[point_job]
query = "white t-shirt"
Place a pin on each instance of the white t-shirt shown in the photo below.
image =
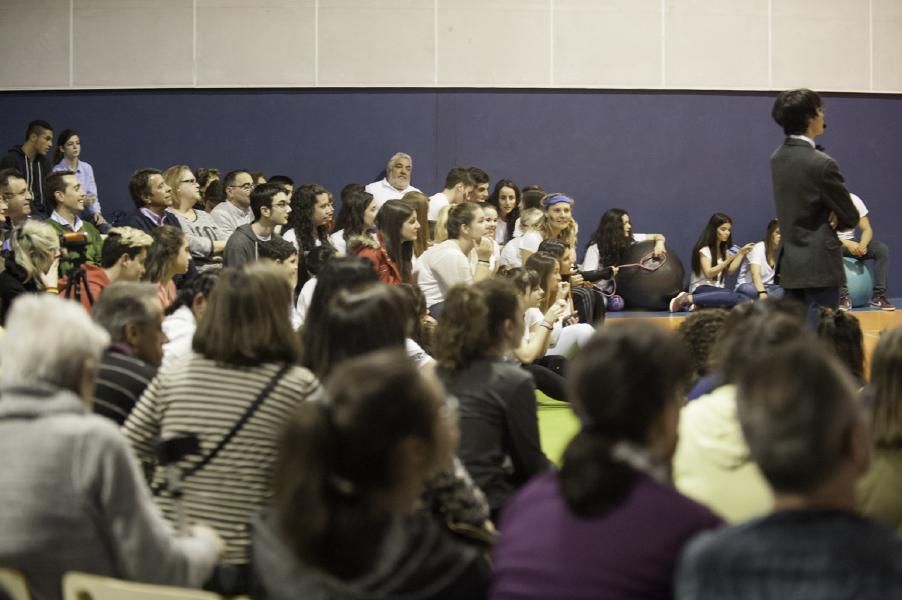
(758, 256)
(849, 234)
(338, 240)
(304, 299)
(591, 261)
(416, 352)
(436, 203)
(501, 232)
(533, 315)
(440, 268)
(510, 253)
(700, 279)
(383, 191)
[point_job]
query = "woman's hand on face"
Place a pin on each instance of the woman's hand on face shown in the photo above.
(563, 290)
(484, 249)
(555, 311)
(51, 278)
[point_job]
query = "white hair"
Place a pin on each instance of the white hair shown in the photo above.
(395, 157)
(47, 341)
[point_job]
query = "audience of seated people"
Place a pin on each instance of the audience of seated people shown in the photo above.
(387, 481)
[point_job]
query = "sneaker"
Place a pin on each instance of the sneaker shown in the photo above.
(845, 303)
(882, 303)
(680, 301)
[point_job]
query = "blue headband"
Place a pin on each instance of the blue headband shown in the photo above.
(556, 199)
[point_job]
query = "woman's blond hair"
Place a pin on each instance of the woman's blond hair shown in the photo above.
(34, 249)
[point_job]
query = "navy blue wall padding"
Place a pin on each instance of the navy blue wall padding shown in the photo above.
(669, 158)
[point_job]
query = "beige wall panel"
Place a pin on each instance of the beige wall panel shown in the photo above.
(493, 42)
(614, 43)
(716, 44)
(821, 44)
(132, 43)
(34, 43)
(256, 42)
(376, 42)
(887, 45)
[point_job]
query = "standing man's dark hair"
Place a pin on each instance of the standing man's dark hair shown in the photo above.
(793, 110)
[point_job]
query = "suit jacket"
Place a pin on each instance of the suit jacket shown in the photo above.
(807, 188)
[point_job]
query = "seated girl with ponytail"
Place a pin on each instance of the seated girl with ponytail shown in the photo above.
(609, 524)
(351, 468)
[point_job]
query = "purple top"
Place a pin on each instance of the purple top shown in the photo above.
(547, 552)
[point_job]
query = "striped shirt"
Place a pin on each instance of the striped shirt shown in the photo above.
(207, 398)
(121, 379)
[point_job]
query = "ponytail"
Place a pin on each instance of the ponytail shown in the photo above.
(591, 481)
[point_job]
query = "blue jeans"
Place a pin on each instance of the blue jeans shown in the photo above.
(709, 296)
(748, 289)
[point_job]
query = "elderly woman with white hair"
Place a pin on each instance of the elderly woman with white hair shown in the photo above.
(72, 494)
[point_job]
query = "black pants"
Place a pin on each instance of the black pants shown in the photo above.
(548, 382)
(814, 299)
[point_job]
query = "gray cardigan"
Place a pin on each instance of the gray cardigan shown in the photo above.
(73, 498)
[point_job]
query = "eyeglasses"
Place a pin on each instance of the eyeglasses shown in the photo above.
(10, 196)
(244, 186)
(192, 181)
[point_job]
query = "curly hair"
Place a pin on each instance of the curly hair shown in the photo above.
(699, 332)
(303, 202)
(471, 321)
(609, 237)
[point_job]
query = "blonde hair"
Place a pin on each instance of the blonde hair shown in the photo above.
(34, 249)
(567, 235)
(441, 225)
(173, 178)
(420, 203)
(532, 219)
(131, 237)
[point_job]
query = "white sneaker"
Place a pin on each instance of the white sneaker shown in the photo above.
(680, 302)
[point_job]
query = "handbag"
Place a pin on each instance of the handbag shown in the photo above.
(238, 426)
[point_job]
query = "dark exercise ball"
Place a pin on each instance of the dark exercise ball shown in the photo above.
(649, 290)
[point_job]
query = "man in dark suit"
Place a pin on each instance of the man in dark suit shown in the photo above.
(811, 201)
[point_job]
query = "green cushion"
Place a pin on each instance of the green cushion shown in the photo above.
(557, 426)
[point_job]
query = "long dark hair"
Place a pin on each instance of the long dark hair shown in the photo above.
(609, 237)
(708, 239)
(620, 384)
(389, 220)
(303, 201)
(337, 456)
(350, 217)
(511, 218)
(543, 265)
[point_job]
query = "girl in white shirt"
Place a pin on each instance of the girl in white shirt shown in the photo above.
(712, 260)
(356, 217)
(567, 333)
(756, 275)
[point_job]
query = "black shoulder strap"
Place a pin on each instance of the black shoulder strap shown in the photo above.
(238, 426)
